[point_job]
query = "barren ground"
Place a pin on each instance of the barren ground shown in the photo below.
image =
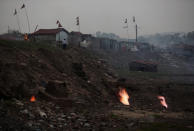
(76, 89)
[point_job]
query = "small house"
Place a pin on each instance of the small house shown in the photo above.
(58, 35)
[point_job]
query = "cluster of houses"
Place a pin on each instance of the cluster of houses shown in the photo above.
(60, 36)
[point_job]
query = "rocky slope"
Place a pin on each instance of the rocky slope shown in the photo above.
(75, 89)
(73, 73)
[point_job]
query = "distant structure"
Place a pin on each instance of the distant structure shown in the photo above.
(51, 35)
(12, 35)
(75, 37)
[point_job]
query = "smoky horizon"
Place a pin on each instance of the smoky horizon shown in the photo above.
(151, 16)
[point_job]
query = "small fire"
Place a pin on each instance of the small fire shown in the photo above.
(33, 99)
(124, 97)
(163, 101)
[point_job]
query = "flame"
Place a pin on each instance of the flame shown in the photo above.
(33, 99)
(123, 96)
(26, 37)
(163, 101)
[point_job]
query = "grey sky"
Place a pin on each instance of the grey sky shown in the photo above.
(153, 16)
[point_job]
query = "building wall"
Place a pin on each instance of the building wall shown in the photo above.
(95, 44)
(50, 38)
(61, 36)
(75, 39)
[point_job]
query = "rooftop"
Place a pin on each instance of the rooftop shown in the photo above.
(49, 31)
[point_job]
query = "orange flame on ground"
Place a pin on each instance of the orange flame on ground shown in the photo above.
(163, 101)
(33, 99)
(124, 97)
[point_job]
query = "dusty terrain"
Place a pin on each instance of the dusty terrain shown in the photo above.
(76, 89)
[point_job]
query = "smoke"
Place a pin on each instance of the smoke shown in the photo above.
(165, 40)
(107, 35)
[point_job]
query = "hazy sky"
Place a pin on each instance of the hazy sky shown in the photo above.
(152, 16)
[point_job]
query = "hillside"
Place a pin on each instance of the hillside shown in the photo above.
(28, 68)
(77, 89)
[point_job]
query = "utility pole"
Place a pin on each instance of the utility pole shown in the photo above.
(136, 32)
(24, 6)
(27, 20)
(78, 23)
(18, 21)
(127, 27)
(128, 31)
(35, 28)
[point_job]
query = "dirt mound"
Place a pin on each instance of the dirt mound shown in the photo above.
(73, 73)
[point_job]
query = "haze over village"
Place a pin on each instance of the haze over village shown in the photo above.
(96, 65)
(152, 16)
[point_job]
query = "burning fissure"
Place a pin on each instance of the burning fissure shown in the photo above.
(163, 101)
(123, 96)
(32, 99)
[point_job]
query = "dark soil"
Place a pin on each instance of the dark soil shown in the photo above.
(75, 89)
